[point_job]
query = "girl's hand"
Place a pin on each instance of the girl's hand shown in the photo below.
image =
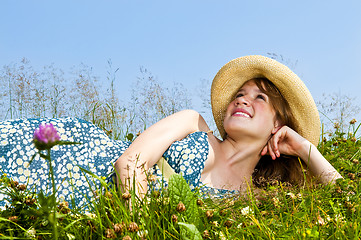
(285, 141)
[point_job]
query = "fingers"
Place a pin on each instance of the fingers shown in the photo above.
(273, 145)
(276, 129)
(271, 149)
(264, 151)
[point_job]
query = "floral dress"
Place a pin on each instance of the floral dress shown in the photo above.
(96, 153)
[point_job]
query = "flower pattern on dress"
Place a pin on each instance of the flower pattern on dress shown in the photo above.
(96, 153)
(17, 148)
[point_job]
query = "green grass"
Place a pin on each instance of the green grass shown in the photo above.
(278, 211)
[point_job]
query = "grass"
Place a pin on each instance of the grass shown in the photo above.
(277, 211)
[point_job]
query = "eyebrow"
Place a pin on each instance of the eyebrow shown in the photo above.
(259, 91)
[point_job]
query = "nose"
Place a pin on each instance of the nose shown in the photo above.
(243, 101)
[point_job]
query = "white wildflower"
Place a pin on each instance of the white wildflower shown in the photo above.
(246, 211)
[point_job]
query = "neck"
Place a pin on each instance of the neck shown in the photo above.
(233, 162)
(241, 156)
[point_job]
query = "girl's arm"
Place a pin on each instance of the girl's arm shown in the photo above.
(287, 141)
(149, 147)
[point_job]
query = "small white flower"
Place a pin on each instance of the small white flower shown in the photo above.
(90, 215)
(31, 233)
(142, 233)
(246, 211)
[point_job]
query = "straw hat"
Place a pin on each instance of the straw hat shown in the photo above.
(235, 73)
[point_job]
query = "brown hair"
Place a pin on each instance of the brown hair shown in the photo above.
(285, 168)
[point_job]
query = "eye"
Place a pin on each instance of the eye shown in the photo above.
(262, 97)
(239, 95)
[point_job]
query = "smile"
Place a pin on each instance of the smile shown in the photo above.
(241, 113)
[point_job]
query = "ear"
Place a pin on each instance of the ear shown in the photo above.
(276, 127)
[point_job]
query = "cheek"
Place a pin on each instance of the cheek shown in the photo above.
(230, 107)
(269, 116)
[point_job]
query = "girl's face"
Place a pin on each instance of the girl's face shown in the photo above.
(250, 114)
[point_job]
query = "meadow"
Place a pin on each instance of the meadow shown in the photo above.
(274, 211)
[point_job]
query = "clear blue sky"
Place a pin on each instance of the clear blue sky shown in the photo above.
(185, 41)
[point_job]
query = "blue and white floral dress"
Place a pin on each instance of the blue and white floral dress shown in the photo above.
(96, 153)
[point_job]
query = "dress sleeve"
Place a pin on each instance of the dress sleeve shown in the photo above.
(187, 156)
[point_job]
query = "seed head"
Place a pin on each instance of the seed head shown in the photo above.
(21, 187)
(228, 223)
(63, 204)
(200, 202)
(14, 184)
(174, 218)
(351, 176)
(13, 218)
(109, 233)
(209, 214)
(118, 227)
(108, 194)
(133, 227)
(127, 238)
(64, 207)
(181, 207)
(205, 234)
(353, 139)
(126, 196)
(355, 161)
(353, 121)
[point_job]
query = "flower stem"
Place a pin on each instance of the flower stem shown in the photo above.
(51, 173)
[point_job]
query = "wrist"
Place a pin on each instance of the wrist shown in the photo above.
(305, 150)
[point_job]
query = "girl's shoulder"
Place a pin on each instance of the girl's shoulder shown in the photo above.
(198, 137)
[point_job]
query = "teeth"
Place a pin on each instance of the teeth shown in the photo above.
(242, 114)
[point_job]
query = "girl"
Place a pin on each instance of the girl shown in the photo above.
(264, 113)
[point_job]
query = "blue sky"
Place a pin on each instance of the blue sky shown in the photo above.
(185, 41)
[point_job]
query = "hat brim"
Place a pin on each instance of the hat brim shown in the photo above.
(235, 73)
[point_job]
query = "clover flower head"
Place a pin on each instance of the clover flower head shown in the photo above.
(46, 136)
